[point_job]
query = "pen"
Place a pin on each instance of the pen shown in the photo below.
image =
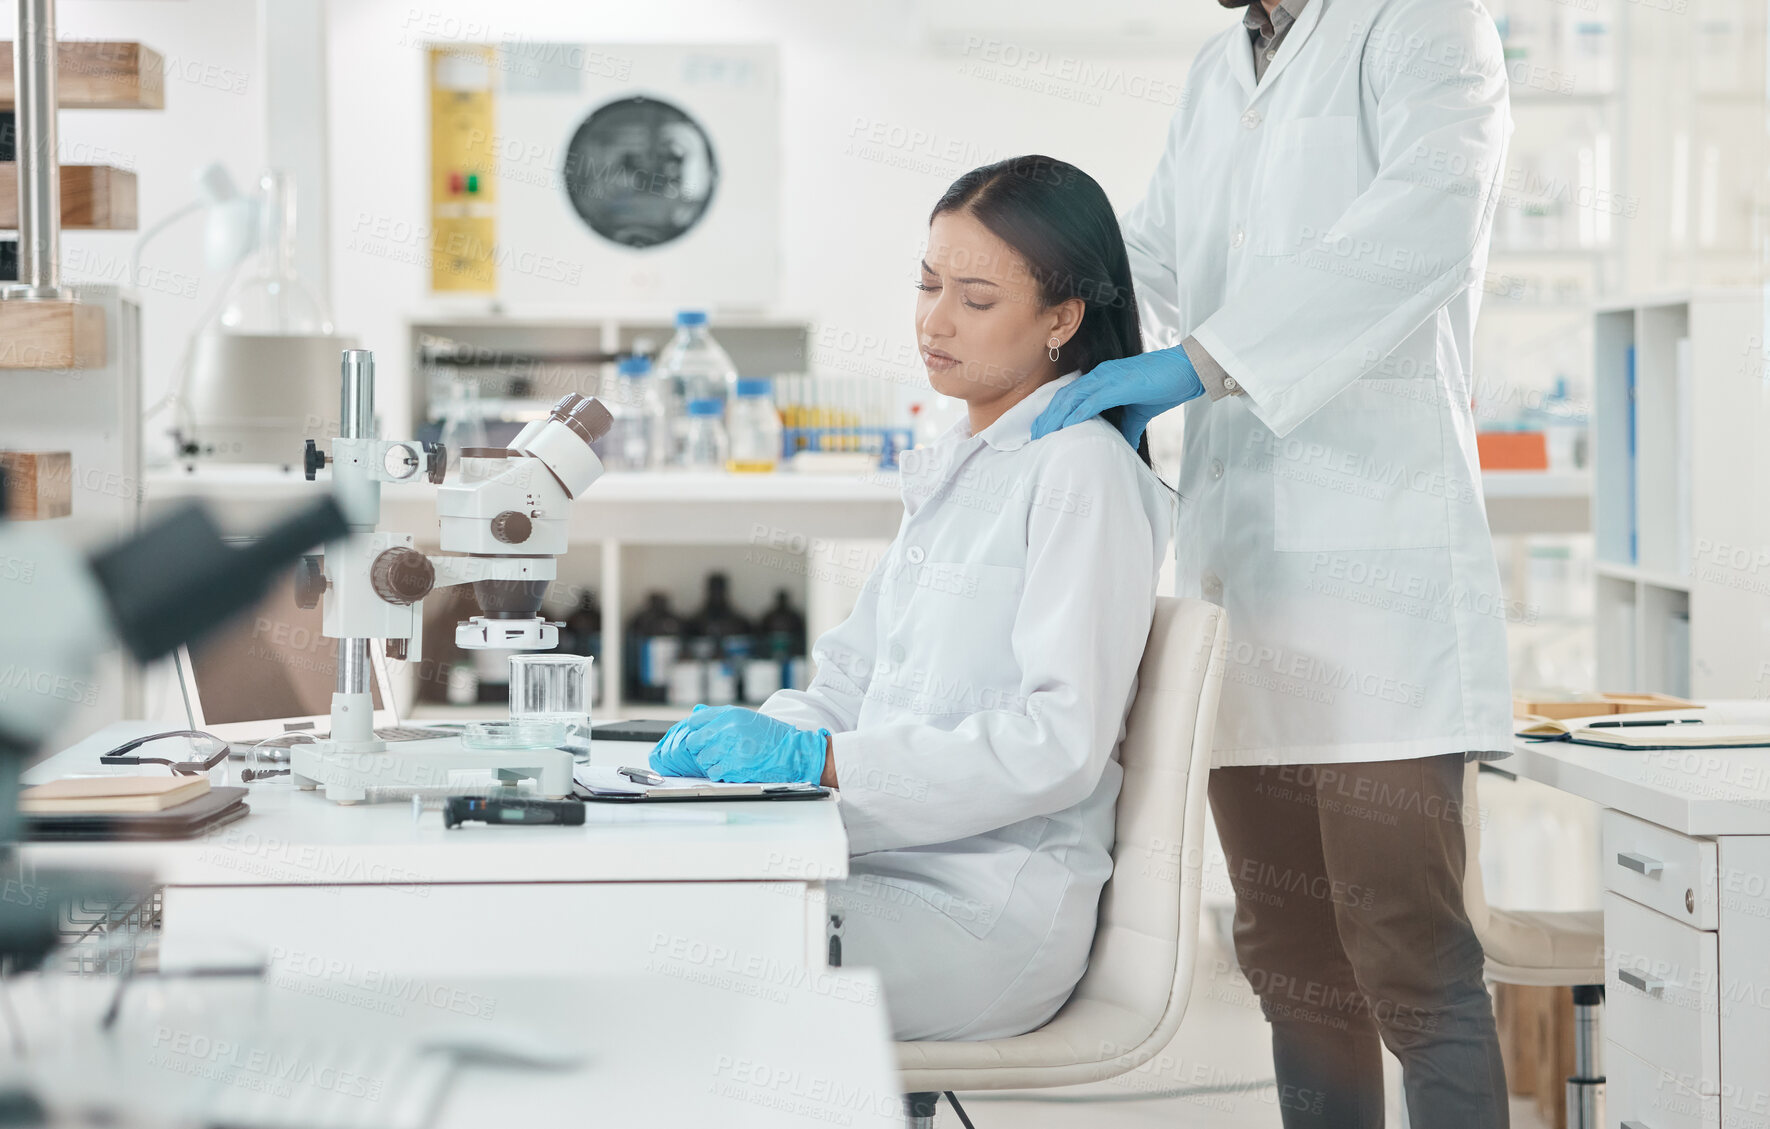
(1645, 723)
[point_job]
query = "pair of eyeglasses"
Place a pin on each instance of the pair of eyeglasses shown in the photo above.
(125, 754)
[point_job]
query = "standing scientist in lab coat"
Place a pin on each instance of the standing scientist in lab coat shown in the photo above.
(1315, 238)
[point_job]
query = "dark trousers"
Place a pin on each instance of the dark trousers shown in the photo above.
(1350, 927)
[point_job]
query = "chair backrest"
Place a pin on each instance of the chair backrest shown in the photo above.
(1130, 1001)
(1148, 927)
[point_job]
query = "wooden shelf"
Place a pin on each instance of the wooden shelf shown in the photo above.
(93, 198)
(39, 484)
(51, 335)
(98, 76)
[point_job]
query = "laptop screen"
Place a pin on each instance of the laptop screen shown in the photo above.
(269, 663)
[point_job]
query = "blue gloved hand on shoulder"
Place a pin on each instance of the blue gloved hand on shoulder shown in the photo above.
(1145, 386)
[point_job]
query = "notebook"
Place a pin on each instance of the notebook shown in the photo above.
(214, 808)
(95, 795)
(1673, 729)
(1694, 736)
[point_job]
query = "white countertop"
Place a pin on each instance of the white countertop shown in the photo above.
(1536, 484)
(1704, 792)
(666, 507)
(216, 480)
(257, 481)
(294, 837)
(689, 1047)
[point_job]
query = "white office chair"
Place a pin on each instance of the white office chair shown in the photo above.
(1545, 948)
(1129, 1003)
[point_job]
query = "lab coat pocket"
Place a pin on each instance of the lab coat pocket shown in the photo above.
(1366, 471)
(1307, 178)
(954, 645)
(971, 882)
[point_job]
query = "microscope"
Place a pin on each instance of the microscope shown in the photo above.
(503, 521)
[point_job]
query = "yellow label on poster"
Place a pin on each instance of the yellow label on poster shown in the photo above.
(463, 186)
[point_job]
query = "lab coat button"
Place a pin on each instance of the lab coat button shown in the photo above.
(1236, 239)
(1251, 118)
(916, 555)
(897, 652)
(1216, 468)
(1213, 587)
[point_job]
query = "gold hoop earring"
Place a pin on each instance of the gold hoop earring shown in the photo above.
(1053, 350)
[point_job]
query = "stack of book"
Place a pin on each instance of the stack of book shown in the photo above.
(128, 807)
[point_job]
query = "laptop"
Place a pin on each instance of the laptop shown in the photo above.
(266, 678)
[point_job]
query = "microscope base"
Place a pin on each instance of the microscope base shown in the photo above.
(347, 777)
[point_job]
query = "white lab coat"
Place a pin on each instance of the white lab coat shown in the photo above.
(977, 695)
(1323, 235)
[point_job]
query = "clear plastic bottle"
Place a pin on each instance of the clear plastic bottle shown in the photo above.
(754, 428)
(704, 446)
(637, 438)
(693, 367)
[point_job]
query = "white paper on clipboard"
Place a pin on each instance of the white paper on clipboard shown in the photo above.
(603, 778)
(607, 782)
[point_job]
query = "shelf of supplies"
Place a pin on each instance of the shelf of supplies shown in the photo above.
(1639, 575)
(452, 711)
(220, 482)
(1501, 251)
(783, 510)
(1523, 502)
(1525, 95)
(484, 711)
(1678, 412)
(1536, 484)
(1493, 302)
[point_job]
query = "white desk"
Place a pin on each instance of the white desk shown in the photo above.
(302, 879)
(660, 1050)
(1686, 869)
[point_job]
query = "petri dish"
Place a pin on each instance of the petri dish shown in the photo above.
(517, 733)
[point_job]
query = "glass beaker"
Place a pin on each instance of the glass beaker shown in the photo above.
(554, 687)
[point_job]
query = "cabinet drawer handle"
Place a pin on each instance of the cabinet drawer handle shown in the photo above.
(1639, 982)
(1641, 864)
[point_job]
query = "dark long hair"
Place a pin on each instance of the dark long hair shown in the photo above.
(1059, 220)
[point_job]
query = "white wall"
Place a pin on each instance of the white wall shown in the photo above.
(214, 100)
(853, 212)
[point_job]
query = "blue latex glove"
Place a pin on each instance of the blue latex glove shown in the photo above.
(730, 743)
(1145, 386)
(668, 758)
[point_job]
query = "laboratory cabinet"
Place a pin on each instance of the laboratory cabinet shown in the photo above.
(1686, 902)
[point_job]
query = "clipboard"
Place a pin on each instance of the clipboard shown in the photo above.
(597, 790)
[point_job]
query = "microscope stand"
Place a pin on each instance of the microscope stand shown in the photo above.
(345, 776)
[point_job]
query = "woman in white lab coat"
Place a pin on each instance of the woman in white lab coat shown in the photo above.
(970, 708)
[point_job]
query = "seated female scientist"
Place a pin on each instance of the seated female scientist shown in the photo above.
(970, 708)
